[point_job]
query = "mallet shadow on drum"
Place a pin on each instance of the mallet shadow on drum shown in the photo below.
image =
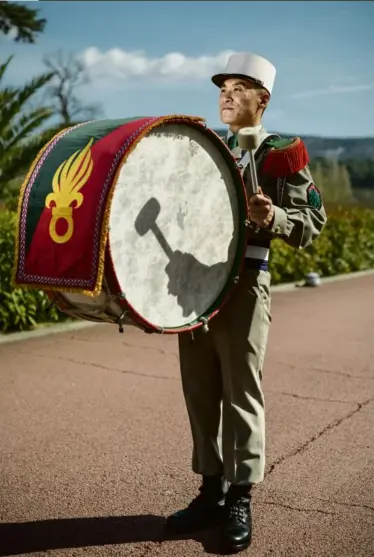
(189, 280)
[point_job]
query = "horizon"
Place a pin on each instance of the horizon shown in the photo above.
(316, 136)
(136, 70)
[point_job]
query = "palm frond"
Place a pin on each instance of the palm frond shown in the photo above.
(16, 101)
(3, 67)
(25, 125)
(17, 121)
(16, 162)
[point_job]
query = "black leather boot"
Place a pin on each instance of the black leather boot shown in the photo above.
(237, 525)
(204, 511)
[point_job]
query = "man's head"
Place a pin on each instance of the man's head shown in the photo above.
(246, 86)
(242, 103)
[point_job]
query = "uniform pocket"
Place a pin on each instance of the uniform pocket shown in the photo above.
(257, 284)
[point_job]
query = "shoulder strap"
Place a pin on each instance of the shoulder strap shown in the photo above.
(259, 151)
(264, 144)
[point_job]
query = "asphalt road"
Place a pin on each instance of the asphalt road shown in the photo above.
(95, 445)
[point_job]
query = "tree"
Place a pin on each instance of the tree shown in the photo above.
(23, 19)
(19, 144)
(332, 178)
(361, 172)
(70, 74)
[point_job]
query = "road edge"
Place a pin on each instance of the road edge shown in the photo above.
(48, 329)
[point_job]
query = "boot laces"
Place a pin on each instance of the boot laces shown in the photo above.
(238, 508)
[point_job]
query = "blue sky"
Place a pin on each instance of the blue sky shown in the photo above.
(323, 52)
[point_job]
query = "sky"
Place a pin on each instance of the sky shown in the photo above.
(157, 58)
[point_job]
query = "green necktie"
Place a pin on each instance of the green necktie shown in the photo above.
(232, 142)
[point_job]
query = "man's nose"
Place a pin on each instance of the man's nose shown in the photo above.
(227, 96)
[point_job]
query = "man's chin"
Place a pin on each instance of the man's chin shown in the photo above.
(227, 118)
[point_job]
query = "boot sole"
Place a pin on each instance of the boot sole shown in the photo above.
(232, 549)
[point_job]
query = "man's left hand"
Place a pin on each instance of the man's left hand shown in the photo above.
(261, 209)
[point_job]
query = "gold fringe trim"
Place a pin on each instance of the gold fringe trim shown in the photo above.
(23, 187)
(106, 217)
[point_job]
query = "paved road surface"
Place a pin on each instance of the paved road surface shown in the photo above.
(95, 447)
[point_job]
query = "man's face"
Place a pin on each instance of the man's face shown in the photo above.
(241, 103)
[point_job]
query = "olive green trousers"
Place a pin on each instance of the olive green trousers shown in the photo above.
(221, 374)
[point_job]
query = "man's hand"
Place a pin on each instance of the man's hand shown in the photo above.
(261, 209)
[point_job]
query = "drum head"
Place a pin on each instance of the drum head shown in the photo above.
(177, 225)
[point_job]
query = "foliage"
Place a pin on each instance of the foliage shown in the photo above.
(345, 245)
(19, 144)
(361, 173)
(20, 309)
(17, 122)
(22, 19)
(332, 178)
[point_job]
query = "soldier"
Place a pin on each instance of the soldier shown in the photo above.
(222, 370)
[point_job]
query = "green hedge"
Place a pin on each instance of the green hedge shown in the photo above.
(20, 309)
(345, 245)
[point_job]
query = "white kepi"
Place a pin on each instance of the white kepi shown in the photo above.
(249, 66)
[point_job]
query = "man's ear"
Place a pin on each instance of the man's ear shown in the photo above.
(264, 98)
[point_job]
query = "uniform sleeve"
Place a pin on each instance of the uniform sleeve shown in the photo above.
(301, 217)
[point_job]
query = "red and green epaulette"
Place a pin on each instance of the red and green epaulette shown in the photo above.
(285, 157)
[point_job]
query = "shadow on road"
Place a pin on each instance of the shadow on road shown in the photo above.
(27, 537)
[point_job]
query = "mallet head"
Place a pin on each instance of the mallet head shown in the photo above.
(147, 218)
(248, 139)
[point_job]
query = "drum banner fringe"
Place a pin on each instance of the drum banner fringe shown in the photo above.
(65, 201)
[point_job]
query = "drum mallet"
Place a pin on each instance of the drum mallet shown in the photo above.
(146, 222)
(249, 140)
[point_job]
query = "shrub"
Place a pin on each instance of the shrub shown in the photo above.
(345, 245)
(20, 309)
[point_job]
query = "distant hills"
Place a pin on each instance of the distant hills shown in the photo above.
(341, 149)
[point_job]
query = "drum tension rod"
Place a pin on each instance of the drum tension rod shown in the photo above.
(204, 320)
(120, 320)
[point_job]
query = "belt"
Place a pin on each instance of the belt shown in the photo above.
(257, 252)
(257, 258)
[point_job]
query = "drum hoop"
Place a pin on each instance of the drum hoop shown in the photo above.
(243, 210)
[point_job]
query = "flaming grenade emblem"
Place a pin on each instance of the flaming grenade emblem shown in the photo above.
(67, 182)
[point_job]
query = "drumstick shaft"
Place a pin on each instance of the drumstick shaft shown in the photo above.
(162, 241)
(253, 174)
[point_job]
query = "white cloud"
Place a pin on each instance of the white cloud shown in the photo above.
(136, 65)
(333, 90)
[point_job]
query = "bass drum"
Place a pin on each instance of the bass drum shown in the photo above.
(177, 236)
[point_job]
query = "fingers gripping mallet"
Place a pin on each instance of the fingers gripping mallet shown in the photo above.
(146, 222)
(249, 140)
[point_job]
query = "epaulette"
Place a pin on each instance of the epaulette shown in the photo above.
(286, 156)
